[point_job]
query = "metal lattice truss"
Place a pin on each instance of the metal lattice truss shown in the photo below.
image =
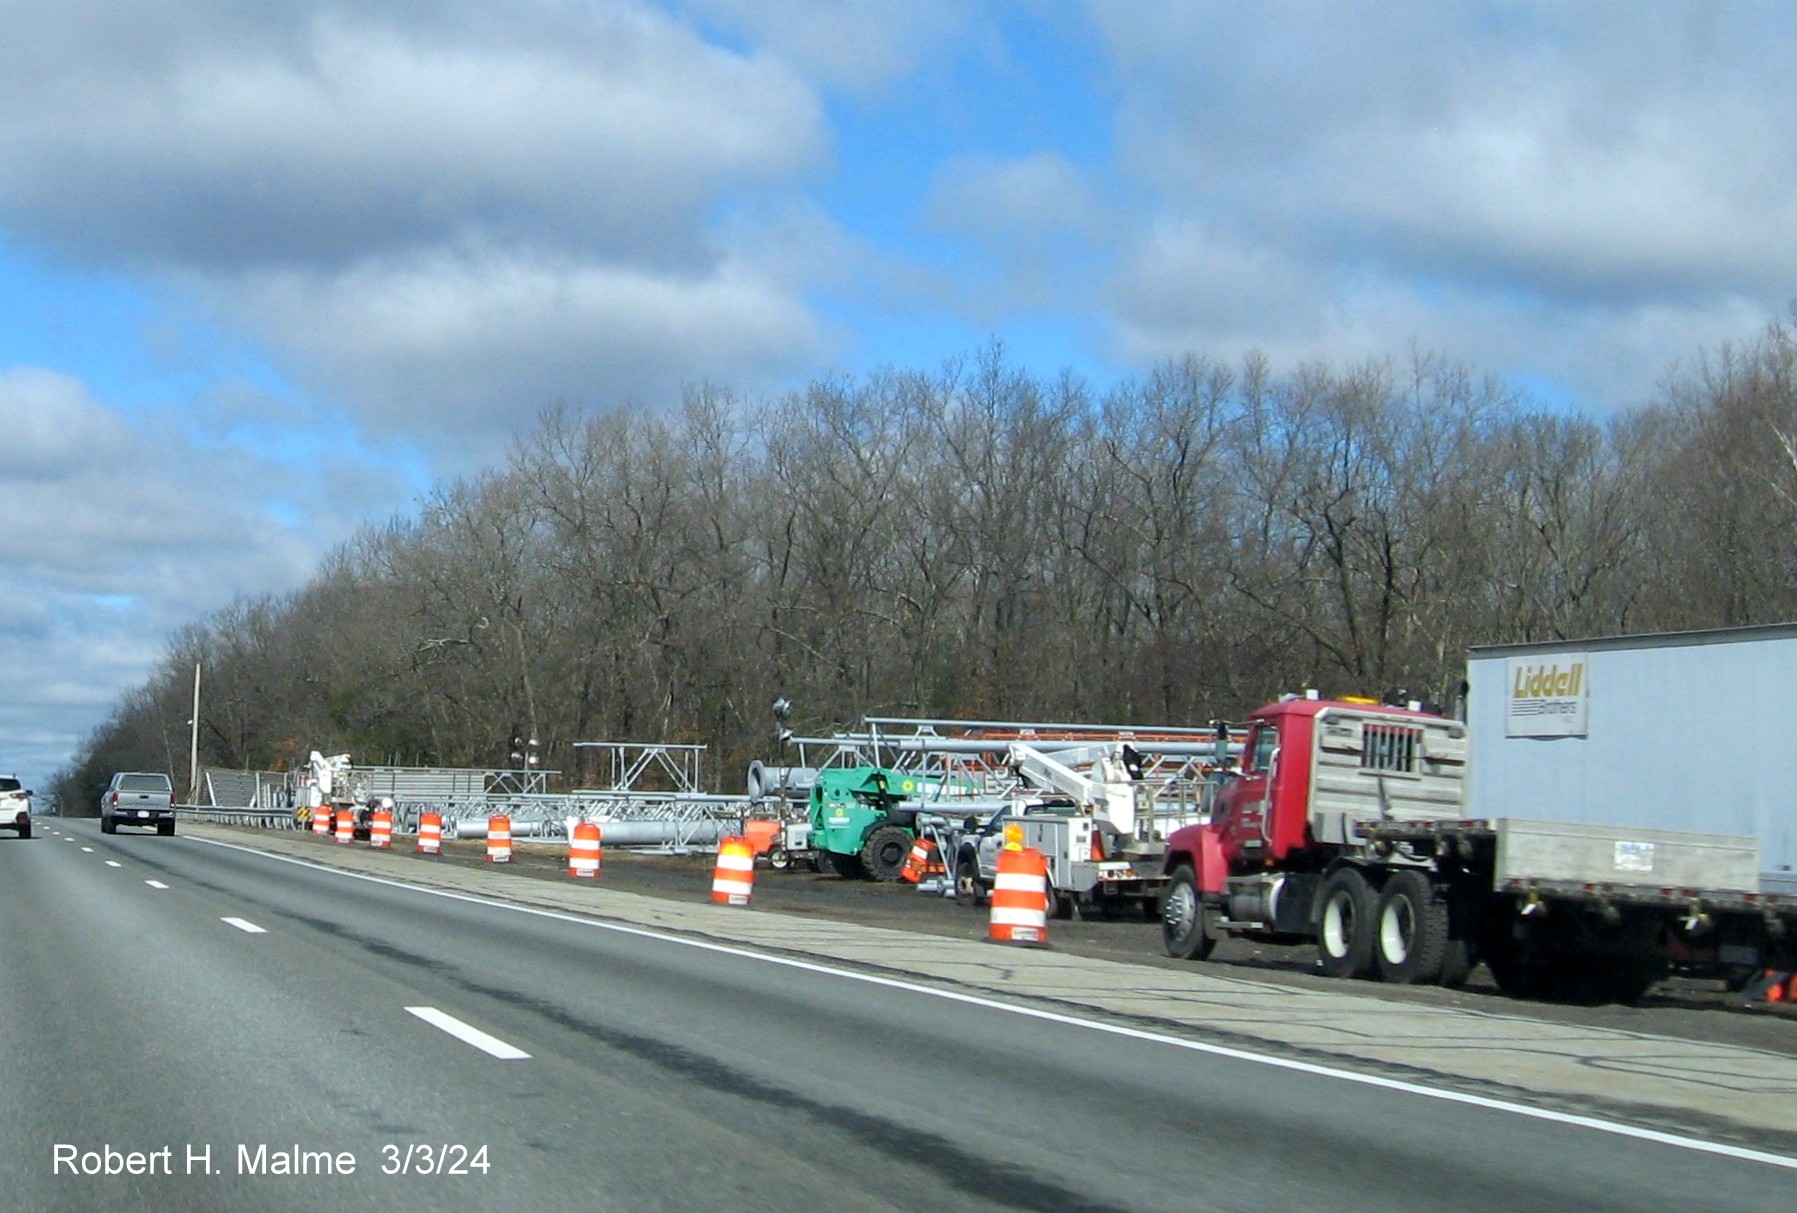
(651, 797)
(635, 764)
(967, 758)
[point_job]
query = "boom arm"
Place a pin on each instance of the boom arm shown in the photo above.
(326, 772)
(1109, 787)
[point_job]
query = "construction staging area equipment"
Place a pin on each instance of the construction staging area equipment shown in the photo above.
(670, 812)
(868, 793)
(966, 758)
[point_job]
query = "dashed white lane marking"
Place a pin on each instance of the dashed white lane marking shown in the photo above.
(88, 850)
(245, 925)
(1335, 1073)
(468, 1034)
(113, 863)
(155, 884)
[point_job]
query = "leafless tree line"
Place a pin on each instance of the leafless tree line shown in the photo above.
(983, 542)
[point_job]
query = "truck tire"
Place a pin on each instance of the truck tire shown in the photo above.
(1462, 955)
(883, 852)
(1347, 922)
(1186, 922)
(846, 866)
(970, 890)
(1519, 978)
(779, 858)
(1411, 943)
(106, 825)
(165, 828)
(1626, 981)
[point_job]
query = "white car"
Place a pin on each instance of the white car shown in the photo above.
(15, 806)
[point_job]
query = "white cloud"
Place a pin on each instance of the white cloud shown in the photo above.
(1491, 177)
(991, 198)
(119, 529)
(52, 427)
(338, 138)
(485, 337)
(1031, 224)
(858, 45)
(443, 217)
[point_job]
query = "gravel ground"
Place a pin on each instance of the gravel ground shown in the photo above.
(1688, 1010)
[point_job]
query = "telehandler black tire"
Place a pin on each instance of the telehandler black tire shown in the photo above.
(883, 852)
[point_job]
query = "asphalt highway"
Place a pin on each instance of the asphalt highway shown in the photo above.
(212, 1019)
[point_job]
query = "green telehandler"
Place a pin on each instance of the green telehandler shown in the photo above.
(864, 819)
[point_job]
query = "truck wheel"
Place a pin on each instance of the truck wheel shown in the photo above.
(970, 890)
(1347, 921)
(779, 858)
(165, 828)
(106, 825)
(1412, 942)
(1185, 920)
(1518, 978)
(1461, 954)
(883, 852)
(1625, 981)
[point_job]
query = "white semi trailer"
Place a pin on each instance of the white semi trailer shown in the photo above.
(1682, 731)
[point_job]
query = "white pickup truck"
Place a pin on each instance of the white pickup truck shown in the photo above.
(15, 806)
(138, 798)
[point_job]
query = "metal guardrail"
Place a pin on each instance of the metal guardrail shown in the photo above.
(271, 819)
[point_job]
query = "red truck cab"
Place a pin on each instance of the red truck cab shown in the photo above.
(1284, 847)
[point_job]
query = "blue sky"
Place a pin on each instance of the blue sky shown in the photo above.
(272, 252)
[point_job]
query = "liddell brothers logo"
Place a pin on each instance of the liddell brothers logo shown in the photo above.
(1547, 690)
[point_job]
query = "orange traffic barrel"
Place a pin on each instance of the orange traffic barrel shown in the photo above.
(1020, 897)
(430, 833)
(380, 828)
(583, 851)
(733, 879)
(346, 825)
(919, 862)
(321, 820)
(1780, 987)
(499, 839)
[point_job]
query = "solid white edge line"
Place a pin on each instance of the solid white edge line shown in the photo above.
(155, 884)
(468, 1034)
(1614, 1128)
(246, 926)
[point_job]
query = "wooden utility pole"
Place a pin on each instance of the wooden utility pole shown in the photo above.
(193, 751)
